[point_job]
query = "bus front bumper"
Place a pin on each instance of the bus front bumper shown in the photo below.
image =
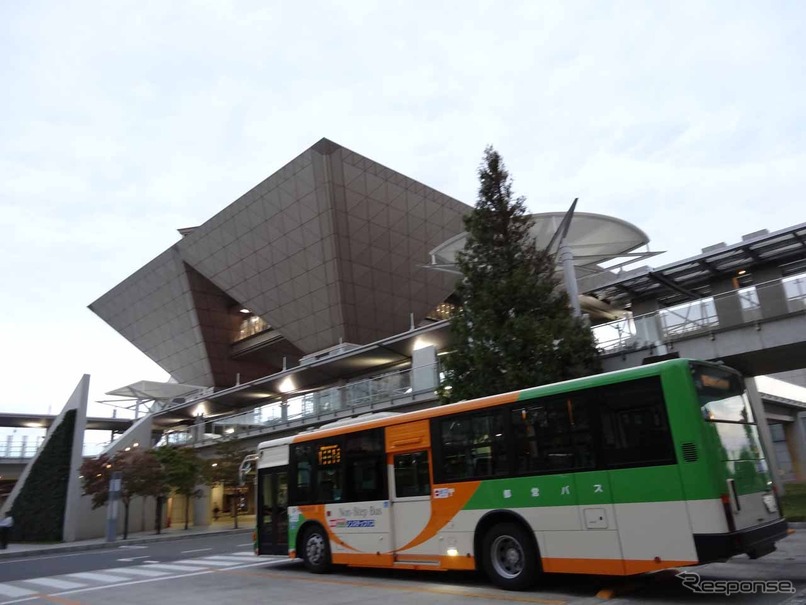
(754, 541)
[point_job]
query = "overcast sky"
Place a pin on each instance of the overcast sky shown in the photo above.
(123, 121)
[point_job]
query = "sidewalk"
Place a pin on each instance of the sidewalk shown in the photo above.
(177, 532)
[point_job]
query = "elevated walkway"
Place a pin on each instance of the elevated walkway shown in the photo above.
(759, 330)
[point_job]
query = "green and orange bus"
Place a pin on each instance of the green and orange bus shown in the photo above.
(620, 473)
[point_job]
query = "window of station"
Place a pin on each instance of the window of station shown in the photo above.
(250, 325)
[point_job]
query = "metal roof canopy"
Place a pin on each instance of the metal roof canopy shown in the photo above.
(149, 389)
(309, 377)
(592, 238)
(689, 279)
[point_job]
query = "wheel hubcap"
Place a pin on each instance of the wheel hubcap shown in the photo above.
(315, 549)
(507, 556)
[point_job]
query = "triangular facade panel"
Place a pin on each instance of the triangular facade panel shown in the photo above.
(329, 248)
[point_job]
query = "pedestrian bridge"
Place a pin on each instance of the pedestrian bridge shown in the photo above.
(759, 329)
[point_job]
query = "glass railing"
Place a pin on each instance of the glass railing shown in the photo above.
(731, 309)
(373, 394)
(20, 448)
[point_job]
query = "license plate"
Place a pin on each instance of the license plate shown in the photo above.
(770, 503)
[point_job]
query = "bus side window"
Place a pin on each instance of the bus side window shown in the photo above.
(635, 430)
(365, 457)
(553, 434)
(301, 475)
(473, 446)
(412, 475)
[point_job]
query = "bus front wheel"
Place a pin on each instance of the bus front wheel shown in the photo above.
(510, 558)
(316, 550)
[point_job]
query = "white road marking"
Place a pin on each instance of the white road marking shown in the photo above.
(203, 563)
(96, 577)
(54, 583)
(129, 559)
(231, 558)
(13, 591)
(138, 571)
(195, 550)
(171, 567)
(132, 546)
(245, 553)
(247, 544)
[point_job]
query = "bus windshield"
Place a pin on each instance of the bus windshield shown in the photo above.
(722, 395)
(725, 405)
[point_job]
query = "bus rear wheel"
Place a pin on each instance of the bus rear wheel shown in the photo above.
(510, 558)
(316, 550)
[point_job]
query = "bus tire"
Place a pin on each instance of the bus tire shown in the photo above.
(510, 557)
(316, 550)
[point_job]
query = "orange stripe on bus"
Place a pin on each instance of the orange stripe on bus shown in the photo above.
(608, 567)
(433, 562)
(443, 510)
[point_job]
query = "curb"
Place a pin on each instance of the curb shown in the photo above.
(65, 548)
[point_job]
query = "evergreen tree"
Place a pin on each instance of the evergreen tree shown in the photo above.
(514, 328)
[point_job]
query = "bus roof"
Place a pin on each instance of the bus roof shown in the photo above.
(376, 421)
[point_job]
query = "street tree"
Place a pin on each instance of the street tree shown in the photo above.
(141, 475)
(514, 327)
(184, 472)
(224, 469)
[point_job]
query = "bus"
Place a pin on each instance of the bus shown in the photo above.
(621, 473)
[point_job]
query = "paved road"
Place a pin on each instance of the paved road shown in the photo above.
(122, 555)
(228, 572)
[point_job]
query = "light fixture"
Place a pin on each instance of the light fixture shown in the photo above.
(421, 343)
(214, 464)
(229, 431)
(452, 552)
(245, 310)
(742, 272)
(287, 385)
(135, 444)
(128, 449)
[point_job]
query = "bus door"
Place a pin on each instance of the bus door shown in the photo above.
(272, 512)
(408, 457)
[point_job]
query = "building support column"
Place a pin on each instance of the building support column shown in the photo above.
(201, 506)
(796, 440)
(757, 406)
(424, 369)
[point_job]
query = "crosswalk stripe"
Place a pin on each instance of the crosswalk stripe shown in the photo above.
(224, 558)
(203, 563)
(137, 571)
(96, 577)
(54, 583)
(13, 591)
(171, 567)
(244, 553)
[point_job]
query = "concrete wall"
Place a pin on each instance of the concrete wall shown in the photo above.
(92, 523)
